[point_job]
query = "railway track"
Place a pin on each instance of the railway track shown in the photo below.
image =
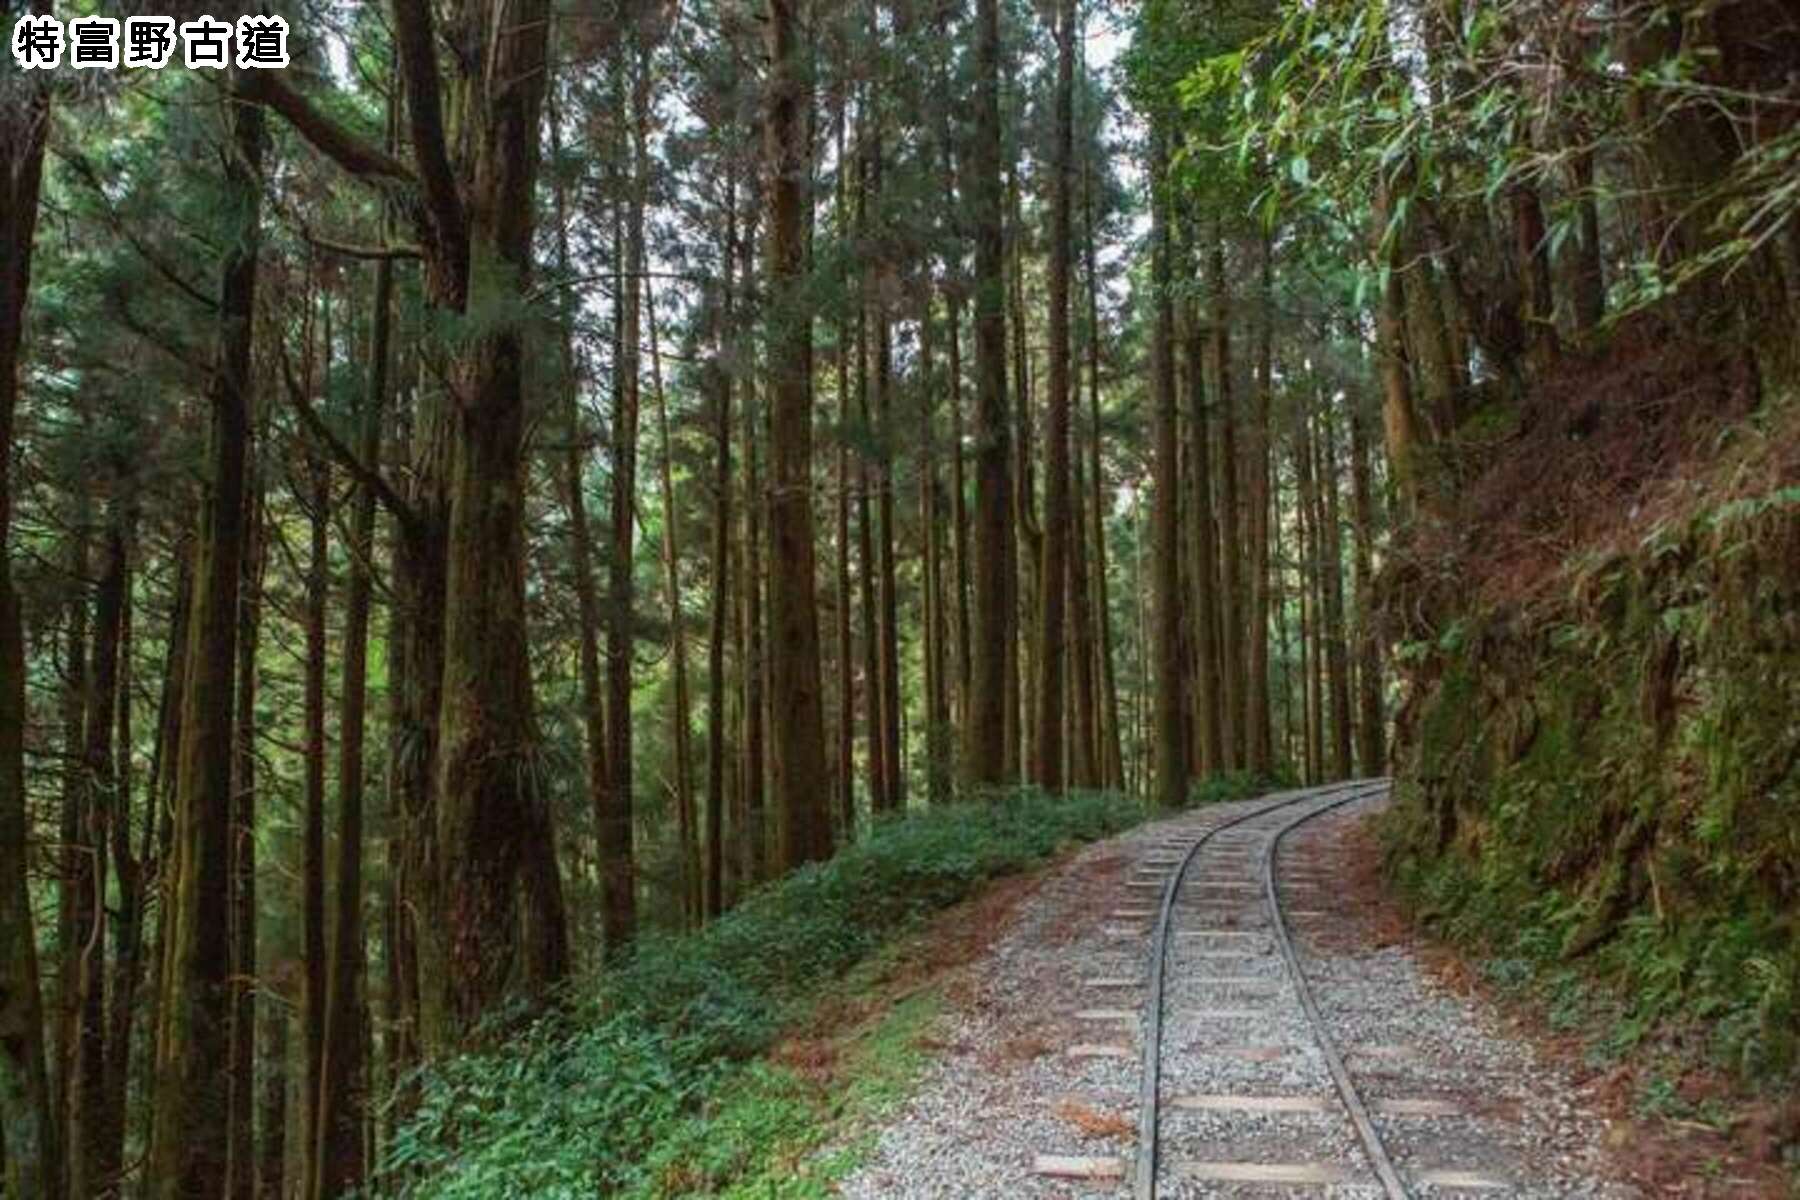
(1222, 956)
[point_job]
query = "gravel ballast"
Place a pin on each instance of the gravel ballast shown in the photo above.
(1029, 1063)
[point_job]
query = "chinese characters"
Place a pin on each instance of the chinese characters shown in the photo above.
(40, 41)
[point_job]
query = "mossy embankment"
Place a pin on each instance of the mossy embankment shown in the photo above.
(1599, 747)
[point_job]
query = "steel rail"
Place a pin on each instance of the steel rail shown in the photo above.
(1340, 1075)
(1150, 1081)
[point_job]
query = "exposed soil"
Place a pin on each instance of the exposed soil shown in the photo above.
(1616, 442)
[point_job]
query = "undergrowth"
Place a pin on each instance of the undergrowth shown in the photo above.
(648, 1084)
(1601, 772)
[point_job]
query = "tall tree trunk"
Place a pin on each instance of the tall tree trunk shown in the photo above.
(1112, 759)
(272, 1154)
(885, 701)
(959, 508)
(128, 926)
(99, 808)
(876, 753)
(1279, 602)
(1047, 767)
(1337, 650)
(1259, 739)
(189, 1145)
(938, 780)
(312, 872)
(1312, 573)
(618, 873)
(1230, 693)
(415, 677)
(1397, 412)
(581, 538)
(32, 1138)
(1371, 753)
(1027, 546)
(1084, 689)
(242, 1184)
(720, 379)
(343, 1070)
(844, 777)
(1587, 270)
(495, 835)
(74, 863)
(984, 729)
(801, 794)
(680, 717)
(1141, 738)
(1171, 703)
(1209, 725)
(867, 488)
(1532, 258)
(755, 769)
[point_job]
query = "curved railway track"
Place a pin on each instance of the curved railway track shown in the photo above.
(1290, 811)
(1234, 1021)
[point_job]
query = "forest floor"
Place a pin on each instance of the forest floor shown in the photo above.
(1008, 1066)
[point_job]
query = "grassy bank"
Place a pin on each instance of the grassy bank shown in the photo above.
(651, 1086)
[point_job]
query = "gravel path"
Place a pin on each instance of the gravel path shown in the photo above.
(1042, 1056)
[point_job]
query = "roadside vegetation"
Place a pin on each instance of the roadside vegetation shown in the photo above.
(649, 1083)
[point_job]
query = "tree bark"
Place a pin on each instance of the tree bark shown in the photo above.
(959, 506)
(618, 873)
(844, 777)
(801, 794)
(272, 1154)
(878, 272)
(343, 1070)
(128, 926)
(1371, 752)
(74, 863)
(680, 717)
(242, 1183)
(312, 872)
(1337, 650)
(1025, 550)
(1171, 763)
(581, 538)
(938, 779)
(1229, 694)
(189, 1145)
(88, 1136)
(1259, 737)
(1204, 551)
(1112, 758)
(868, 567)
(984, 728)
(720, 379)
(755, 768)
(30, 1135)
(1047, 767)
(1397, 413)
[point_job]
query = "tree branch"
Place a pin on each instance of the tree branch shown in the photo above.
(331, 139)
(361, 471)
(415, 45)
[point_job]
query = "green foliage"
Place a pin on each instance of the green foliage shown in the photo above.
(647, 1086)
(1222, 787)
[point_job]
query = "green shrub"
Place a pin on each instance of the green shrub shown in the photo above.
(647, 1086)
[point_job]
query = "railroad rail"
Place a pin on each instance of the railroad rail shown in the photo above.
(1145, 1176)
